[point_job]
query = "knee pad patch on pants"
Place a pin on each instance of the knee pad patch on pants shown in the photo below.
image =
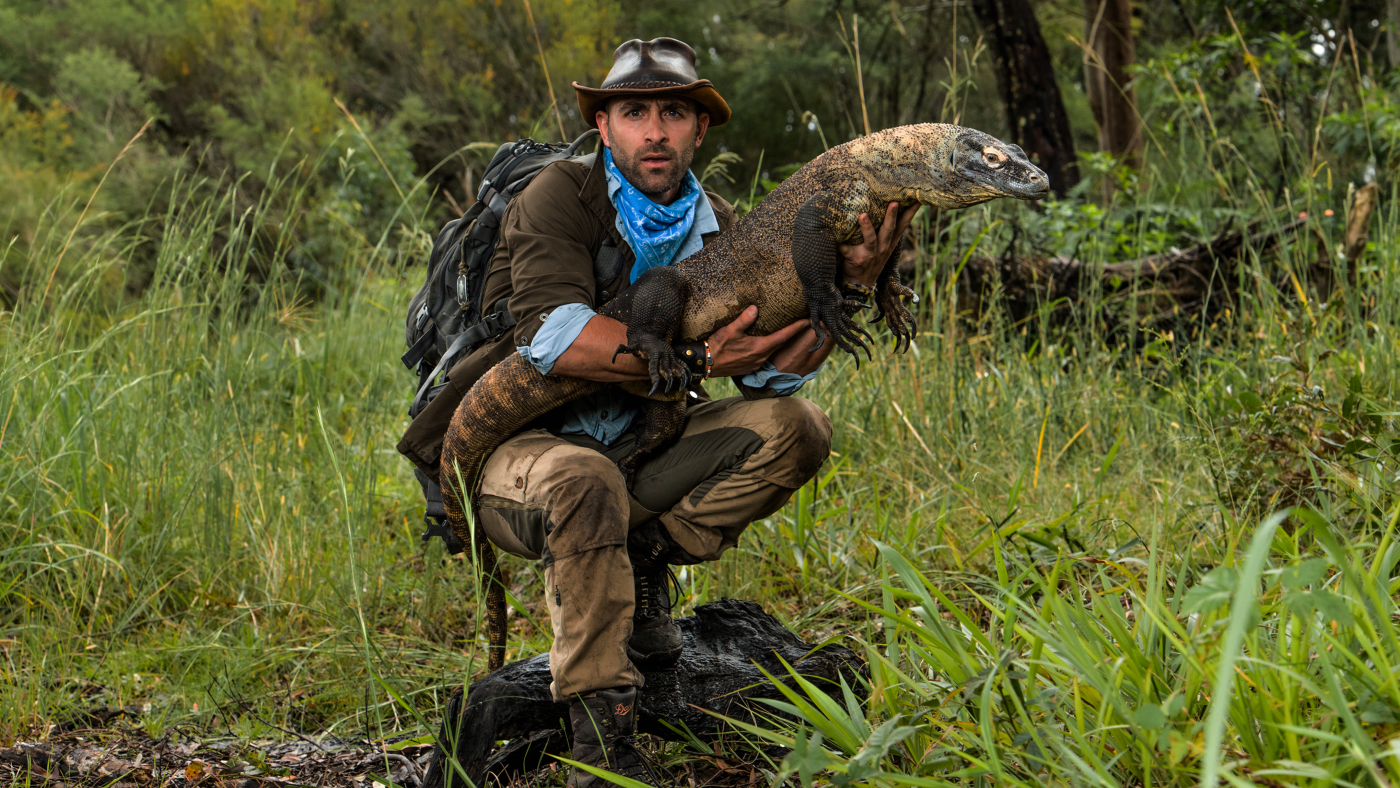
(799, 441)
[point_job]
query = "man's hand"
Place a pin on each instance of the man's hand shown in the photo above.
(861, 263)
(737, 353)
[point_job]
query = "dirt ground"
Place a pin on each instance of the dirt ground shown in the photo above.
(124, 757)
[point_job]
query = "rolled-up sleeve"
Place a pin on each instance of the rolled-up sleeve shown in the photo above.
(557, 332)
(780, 383)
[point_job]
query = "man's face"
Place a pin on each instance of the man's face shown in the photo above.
(653, 141)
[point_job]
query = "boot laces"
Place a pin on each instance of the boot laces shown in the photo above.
(655, 585)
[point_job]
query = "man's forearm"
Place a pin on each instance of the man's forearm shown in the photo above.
(591, 355)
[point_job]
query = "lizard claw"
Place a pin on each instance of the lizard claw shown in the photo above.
(896, 315)
(847, 335)
(666, 368)
(821, 334)
(826, 312)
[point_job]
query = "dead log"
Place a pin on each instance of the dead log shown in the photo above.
(726, 642)
(1160, 292)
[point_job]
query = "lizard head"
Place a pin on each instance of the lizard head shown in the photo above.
(985, 168)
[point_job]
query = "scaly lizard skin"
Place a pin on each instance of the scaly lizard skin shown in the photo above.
(781, 256)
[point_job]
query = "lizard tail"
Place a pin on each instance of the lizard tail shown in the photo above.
(495, 605)
(504, 401)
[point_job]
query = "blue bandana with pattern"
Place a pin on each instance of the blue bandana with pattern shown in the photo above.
(655, 232)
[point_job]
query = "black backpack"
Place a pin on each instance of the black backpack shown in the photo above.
(446, 318)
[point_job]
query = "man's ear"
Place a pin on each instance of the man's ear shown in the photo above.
(702, 122)
(601, 118)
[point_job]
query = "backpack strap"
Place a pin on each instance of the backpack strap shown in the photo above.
(415, 354)
(435, 516)
(606, 267)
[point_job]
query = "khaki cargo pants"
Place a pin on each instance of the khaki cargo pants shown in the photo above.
(563, 500)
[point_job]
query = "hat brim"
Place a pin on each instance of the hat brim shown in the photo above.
(702, 92)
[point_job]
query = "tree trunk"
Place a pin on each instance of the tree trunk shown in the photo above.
(1392, 32)
(1109, 35)
(1026, 80)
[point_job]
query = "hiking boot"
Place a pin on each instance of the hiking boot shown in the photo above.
(656, 641)
(605, 727)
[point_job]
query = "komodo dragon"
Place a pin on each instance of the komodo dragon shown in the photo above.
(781, 256)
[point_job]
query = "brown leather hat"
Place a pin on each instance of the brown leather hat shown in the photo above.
(659, 66)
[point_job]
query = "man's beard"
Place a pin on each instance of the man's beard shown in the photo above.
(652, 183)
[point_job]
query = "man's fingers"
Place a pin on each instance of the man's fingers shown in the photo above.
(741, 323)
(867, 229)
(907, 219)
(789, 331)
(890, 229)
(765, 344)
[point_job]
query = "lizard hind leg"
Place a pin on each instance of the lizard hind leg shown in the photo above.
(659, 422)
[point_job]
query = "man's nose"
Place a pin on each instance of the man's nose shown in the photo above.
(655, 130)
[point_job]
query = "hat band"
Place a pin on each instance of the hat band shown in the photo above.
(646, 85)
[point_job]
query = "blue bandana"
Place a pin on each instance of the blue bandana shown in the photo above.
(655, 232)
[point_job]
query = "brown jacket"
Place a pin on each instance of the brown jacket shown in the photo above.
(549, 237)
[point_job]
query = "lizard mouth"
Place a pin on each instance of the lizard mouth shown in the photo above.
(1022, 181)
(1035, 186)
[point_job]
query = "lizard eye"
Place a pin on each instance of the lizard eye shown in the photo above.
(993, 157)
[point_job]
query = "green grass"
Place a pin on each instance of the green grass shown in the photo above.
(1058, 551)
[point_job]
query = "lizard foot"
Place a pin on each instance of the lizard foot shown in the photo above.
(896, 315)
(826, 311)
(662, 363)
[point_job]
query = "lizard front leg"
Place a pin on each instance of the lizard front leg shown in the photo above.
(816, 259)
(653, 314)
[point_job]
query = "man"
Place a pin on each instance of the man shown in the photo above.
(555, 493)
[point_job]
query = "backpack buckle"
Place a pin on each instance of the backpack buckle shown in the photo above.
(495, 325)
(441, 528)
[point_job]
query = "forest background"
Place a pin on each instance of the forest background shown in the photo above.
(1051, 525)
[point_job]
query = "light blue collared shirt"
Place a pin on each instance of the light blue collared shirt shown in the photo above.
(604, 415)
